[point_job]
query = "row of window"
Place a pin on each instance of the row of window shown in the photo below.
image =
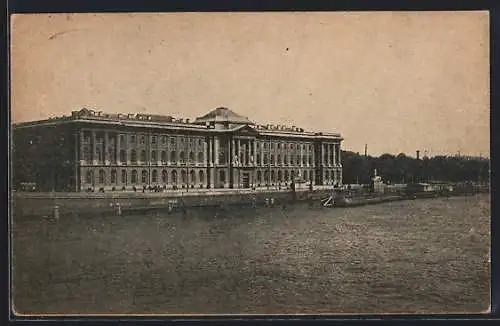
(134, 177)
(274, 145)
(143, 158)
(293, 160)
(273, 176)
(164, 140)
(281, 176)
(199, 158)
(142, 139)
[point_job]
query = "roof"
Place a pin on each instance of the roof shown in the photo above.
(222, 114)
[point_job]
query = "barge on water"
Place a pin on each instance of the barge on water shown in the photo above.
(342, 198)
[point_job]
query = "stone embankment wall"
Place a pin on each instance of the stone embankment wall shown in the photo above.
(43, 204)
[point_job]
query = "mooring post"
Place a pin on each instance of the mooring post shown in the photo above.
(56, 212)
(118, 209)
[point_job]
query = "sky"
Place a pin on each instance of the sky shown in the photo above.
(396, 81)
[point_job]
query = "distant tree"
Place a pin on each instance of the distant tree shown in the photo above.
(401, 168)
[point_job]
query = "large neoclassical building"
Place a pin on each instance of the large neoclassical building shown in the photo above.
(221, 149)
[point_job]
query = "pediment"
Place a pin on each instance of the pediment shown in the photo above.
(245, 130)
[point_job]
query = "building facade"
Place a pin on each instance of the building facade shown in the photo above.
(92, 150)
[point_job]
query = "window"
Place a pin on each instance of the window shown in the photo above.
(99, 154)
(222, 156)
(310, 160)
(122, 139)
(154, 176)
(124, 177)
(183, 176)
(133, 156)
(102, 176)
(192, 176)
(272, 159)
(144, 176)
(279, 159)
(143, 140)
(201, 176)
(222, 176)
(200, 157)
(266, 176)
(286, 159)
(143, 156)
(279, 146)
(123, 156)
(265, 159)
(305, 175)
(173, 156)
(200, 142)
(87, 155)
(153, 156)
(163, 140)
(292, 174)
(259, 176)
(265, 145)
(273, 176)
(86, 136)
(191, 157)
(258, 145)
(164, 176)
(113, 176)
(280, 176)
(134, 176)
(173, 176)
(112, 154)
(172, 140)
(90, 177)
(153, 139)
(163, 157)
(304, 160)
(132, 138)
(181, 157)
(298, 160)
(286, 175)
(258, 159)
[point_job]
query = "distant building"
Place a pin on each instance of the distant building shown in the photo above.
(420, 187)
(93, 150)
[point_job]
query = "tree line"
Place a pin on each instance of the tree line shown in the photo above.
(404, 169)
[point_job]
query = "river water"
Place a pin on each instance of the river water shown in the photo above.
(421, 256)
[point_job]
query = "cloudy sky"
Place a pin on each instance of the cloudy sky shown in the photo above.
(395, 81)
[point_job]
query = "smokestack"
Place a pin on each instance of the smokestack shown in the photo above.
(418, 155)
(366, 150)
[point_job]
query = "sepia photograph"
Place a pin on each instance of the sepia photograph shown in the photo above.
(250, 163)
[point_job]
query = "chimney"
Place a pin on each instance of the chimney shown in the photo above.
(366, 150)
(418, 155)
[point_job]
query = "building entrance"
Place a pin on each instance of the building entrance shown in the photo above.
(246, 180)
